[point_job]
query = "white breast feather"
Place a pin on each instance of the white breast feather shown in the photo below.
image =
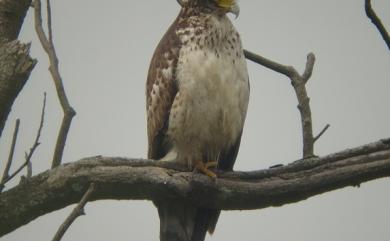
(214, 91)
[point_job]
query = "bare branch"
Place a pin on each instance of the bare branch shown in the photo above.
(77, 211)
(49, 28)
(120, 178)
(286, 70)
(28, 167)
(298, 82)
(377, 22)
(11, 155)
(29, 155)
(309, 67)
(69, 112)
(321, 133)
(12, 150)
(36, 142)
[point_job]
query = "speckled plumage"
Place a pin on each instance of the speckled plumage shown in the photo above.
(198, 91)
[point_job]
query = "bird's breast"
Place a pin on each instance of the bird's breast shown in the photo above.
(212, 99)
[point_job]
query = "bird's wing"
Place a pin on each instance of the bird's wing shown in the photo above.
(161, 89)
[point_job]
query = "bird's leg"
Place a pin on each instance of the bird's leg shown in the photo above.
(203, 168)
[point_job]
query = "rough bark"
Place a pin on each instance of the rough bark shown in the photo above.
(15, 62)
(12, 13)
(120, 178)
(15, 68)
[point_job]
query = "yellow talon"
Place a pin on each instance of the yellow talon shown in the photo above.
(203, 168)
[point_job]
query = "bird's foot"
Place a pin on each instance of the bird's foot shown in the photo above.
(203, 168)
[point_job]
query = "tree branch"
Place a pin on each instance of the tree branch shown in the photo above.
(69, 112)
(77, 212)
(321, 133)
(10, 156)
(36, 142)
(15, 62)
(15, 68)
(28, 156)
(120, 178)
(12, 15)
(377, 22)
(299, 83)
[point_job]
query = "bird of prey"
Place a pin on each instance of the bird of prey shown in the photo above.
(197, 94)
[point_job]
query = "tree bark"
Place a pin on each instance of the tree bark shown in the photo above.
(119, 178)
(12, 13)
(15, 62)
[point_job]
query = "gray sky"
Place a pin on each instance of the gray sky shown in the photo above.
(105, 48)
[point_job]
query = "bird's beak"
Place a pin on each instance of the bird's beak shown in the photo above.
(230, 6)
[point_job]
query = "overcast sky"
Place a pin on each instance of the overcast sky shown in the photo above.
(105, 48)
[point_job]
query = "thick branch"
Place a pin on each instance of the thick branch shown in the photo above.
(377, 22)
(119, 178)
(15, 68)
(12, 13)
(15, 62)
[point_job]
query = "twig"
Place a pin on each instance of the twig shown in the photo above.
(36, 142)
(28, 156)
(377, 22)
(28, 167)
(49, 28)
(298, 82)
(11, 155)
(77, 211)
(321, 133)
(69, 112)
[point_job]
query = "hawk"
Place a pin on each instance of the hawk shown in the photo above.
(197, 94)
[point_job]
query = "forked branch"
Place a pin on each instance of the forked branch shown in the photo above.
(48, 46)
(29, 155)
(299, 83)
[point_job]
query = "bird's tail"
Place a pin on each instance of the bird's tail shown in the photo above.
(184, 222)
(205, 220)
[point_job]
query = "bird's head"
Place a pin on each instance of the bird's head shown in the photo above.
(225, 6)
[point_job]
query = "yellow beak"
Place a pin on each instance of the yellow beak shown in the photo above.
(230, 6)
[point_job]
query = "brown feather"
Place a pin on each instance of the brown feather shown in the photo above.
(161, 88)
